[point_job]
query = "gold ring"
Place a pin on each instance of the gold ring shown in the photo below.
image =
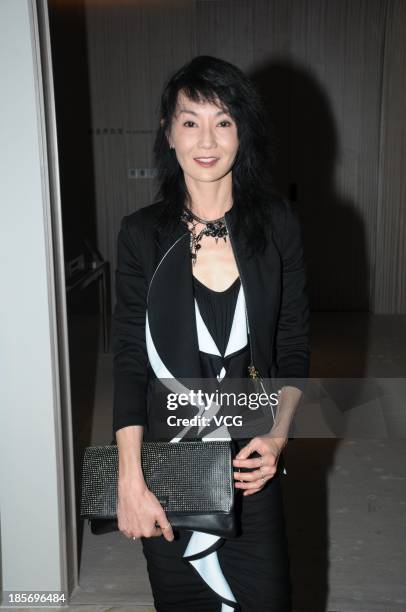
(166, 526)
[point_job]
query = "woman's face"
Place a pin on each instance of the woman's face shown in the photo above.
(204, 138)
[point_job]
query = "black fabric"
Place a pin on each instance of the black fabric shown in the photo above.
(255, 564)
(217, 309)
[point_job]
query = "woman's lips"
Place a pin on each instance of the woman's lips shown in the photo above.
(206, 163)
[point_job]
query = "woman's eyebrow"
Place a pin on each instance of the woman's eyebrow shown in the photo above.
(185, 110)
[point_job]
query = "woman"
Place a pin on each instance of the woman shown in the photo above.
(210, 282)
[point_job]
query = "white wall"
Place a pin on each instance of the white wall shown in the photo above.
(31, 487)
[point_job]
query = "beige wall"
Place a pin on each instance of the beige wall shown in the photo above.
(32, 521)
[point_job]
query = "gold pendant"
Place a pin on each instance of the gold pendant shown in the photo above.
(253, 372)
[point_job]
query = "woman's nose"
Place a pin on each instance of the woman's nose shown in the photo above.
(207, 138)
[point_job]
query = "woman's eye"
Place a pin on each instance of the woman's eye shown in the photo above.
(224, 123)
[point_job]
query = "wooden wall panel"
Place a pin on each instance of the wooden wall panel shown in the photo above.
(337, 70)
(225, 29)
(390, 282)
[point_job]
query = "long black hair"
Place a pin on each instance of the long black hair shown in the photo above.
(207, 78)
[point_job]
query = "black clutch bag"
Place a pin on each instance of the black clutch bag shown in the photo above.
(192, 479)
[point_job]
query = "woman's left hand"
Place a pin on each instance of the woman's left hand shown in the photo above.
(269, 448)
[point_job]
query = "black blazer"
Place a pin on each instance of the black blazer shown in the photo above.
(154, 281)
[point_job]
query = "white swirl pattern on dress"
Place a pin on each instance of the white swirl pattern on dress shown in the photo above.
(207, 565)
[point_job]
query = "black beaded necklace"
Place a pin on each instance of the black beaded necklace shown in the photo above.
(216, 228)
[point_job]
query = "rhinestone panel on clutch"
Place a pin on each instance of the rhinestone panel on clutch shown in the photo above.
(169, 474)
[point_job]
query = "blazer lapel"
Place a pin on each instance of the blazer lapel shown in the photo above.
(260, 277)
(171, 310)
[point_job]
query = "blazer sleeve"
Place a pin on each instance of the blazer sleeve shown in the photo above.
(130, 373)
(292, 335)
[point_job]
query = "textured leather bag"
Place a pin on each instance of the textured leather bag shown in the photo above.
(192, 479)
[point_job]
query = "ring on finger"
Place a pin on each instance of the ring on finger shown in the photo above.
(163, 528)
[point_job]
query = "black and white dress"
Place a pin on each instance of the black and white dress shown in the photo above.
(198, 572)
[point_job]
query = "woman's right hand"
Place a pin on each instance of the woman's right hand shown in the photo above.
(137, 511)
